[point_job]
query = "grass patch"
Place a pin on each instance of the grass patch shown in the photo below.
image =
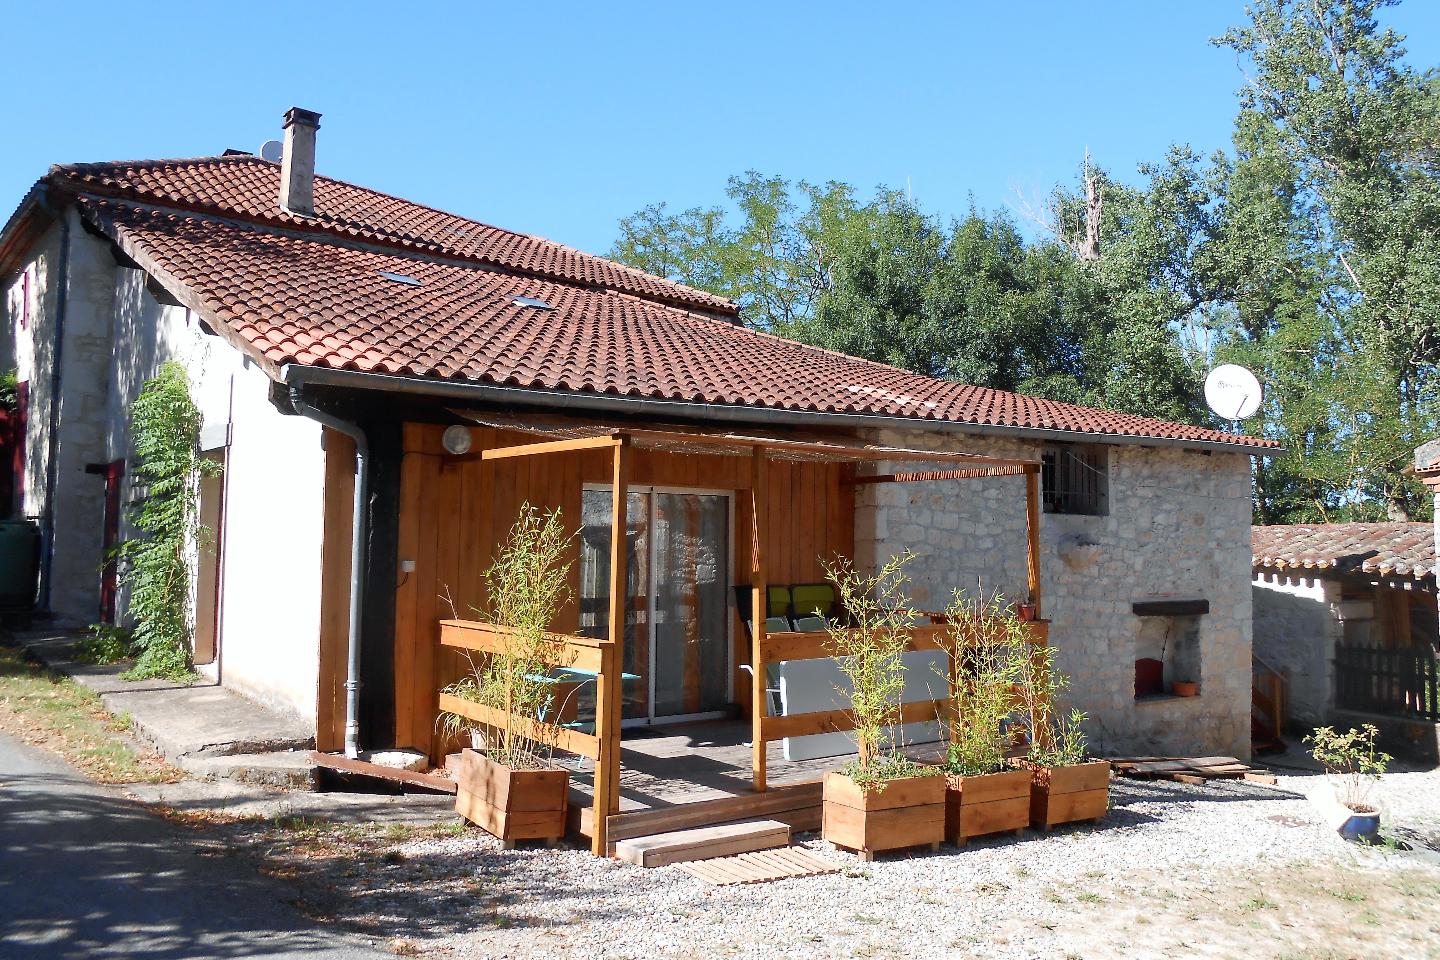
(1260, 902)
(47, 709)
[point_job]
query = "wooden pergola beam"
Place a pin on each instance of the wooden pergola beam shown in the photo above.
(1032, 535)
(759, 521)
(546, 446)
(610, 687)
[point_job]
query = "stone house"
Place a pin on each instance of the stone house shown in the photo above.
(315, 317)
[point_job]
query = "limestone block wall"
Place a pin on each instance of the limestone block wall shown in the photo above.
(1296, 632)
(1178, 527)
(77, 412)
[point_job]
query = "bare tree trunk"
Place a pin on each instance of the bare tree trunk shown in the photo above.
(1094, 205)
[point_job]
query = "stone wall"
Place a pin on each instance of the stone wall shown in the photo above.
(1178, 527)
(1295, 632)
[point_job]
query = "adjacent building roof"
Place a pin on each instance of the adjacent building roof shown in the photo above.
(1391, 550)
(376, 284)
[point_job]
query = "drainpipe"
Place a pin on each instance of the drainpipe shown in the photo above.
(359, 533)
(47, 520)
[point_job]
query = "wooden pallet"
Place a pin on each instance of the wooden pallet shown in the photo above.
(1192, 770)
(703, 843)
(762, 866)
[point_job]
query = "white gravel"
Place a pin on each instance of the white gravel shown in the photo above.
(537, 902)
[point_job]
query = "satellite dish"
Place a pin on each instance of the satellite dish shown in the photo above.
(272, 150)
(1233, 392)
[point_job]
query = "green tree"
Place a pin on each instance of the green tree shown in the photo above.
(1350, 133)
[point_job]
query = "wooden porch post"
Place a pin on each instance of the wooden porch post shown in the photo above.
(759, 481)
(610, 690)
(1032, 533)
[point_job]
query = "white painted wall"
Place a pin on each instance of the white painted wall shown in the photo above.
(1295, 632)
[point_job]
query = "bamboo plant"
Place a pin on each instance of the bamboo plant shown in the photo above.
(1056, 739)
(987, 645)
(527, 586)
(868, 651)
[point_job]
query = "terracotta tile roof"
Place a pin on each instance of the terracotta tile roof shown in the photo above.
(289, 290)
(1383, 549)
(249, 187)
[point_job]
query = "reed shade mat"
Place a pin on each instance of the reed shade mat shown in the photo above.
(1191, 770)
(761, 866)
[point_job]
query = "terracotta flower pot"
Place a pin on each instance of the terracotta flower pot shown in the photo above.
(1185, 688)
(906, 813)
(511, 804)
(1068, 794)
(984, 804)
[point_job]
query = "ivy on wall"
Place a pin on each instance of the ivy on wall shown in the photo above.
(165, 427)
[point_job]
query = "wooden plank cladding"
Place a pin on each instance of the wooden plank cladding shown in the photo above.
(456, 511)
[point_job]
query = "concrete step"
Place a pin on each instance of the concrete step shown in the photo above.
(292, 770)
(702, 843)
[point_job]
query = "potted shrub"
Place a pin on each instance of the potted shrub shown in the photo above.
(1354, 766)
(507, 782)
(1065, 786)
(881, 800)
(983, 793)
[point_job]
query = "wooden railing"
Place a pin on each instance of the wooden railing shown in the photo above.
(1269, 693)
(1398, 683)
(778, 646)
(600, 657)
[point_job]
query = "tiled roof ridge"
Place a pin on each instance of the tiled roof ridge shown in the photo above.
(687, 296)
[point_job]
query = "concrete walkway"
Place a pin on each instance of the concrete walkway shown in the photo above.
(203, 728)
(86, 873)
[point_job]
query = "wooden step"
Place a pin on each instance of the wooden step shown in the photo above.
(702, 843)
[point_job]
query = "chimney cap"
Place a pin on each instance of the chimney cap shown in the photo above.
(303, 117)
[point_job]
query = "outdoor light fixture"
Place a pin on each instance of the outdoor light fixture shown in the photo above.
(456, 439)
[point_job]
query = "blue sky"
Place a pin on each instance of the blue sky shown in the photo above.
(558, 119)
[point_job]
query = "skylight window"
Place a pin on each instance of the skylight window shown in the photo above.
(400, 278)
(533, 302)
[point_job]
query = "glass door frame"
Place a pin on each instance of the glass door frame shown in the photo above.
(650, 599)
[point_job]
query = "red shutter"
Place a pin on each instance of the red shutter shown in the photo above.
(21, 423)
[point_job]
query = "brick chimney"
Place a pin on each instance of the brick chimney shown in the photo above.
(297, 164)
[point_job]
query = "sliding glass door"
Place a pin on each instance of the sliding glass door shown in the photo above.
(677, 619)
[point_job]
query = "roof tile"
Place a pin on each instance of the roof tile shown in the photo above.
(307, 299)
(1386, 549)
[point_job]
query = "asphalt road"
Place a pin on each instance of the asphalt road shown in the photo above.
(86, 872)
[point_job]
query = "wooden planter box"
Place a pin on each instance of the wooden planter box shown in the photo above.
(907, 813)
(990, 803)
(1069, 794)
(511, 804)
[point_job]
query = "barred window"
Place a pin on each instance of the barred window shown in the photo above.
(1075, 478)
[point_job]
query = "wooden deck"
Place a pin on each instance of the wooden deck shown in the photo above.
(699, 774)
(687, 763)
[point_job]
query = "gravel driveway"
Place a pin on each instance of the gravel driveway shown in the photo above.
(1227, 869)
